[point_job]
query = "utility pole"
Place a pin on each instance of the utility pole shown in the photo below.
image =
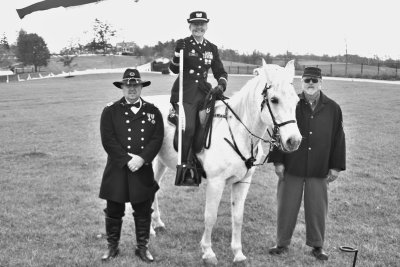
(345, 71)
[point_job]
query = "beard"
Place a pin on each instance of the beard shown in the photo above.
(311, 94)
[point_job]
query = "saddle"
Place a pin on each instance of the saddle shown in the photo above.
(202, 137)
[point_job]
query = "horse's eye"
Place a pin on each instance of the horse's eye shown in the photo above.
(274, 100)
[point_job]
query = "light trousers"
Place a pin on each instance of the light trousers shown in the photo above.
(289, 196)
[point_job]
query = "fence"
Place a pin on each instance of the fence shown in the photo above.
(240, 69)
(24, 70)
(358, 71)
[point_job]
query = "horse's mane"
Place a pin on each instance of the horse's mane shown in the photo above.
(243, 95)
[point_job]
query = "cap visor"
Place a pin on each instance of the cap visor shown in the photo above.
(198, 20)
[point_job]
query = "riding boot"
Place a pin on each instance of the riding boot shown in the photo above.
(142, 227)
(186, 173)
(113, 230)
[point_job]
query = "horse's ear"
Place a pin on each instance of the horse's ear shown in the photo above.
(263, 62)
(290, 68)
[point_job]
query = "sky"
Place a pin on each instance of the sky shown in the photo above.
(366, 27)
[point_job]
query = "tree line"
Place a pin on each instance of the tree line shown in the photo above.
(31, 50)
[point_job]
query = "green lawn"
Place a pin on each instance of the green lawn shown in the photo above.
(51, 161)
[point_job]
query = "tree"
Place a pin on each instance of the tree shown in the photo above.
(32, 50)
(4, 42)
(103, 33)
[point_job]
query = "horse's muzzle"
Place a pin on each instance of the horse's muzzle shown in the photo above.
(291, 144)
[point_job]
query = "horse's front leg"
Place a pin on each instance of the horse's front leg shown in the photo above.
(215, 188)
(238, 196)
(159, 171)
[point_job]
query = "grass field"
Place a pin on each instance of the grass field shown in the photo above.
(51, 162)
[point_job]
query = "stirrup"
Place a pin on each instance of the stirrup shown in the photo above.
(186, 175)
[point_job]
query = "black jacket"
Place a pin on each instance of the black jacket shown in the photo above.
(197, 61)
(142, 134)
(323, 146)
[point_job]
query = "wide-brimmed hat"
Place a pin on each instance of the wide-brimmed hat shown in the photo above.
(313, 72)
(198, 16)
(131, 76)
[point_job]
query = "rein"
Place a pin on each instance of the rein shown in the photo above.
(274, 140)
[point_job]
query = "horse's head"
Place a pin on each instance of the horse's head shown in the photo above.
(278, 104)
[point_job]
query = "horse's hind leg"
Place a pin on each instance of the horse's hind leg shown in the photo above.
(214, 192)
(238, 197)
(159, 171)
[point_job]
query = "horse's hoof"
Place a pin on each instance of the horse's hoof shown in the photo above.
(210, 262)
(239, 258)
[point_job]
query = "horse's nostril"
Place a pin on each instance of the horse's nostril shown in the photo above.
(292, 142)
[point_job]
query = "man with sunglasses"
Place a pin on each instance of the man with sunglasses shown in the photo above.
(309, 170)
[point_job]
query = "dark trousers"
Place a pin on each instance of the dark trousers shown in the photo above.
(290, 193)
(117, 210)
(192, 117)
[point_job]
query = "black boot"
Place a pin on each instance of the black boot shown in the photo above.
(113, 230)
(142, 227)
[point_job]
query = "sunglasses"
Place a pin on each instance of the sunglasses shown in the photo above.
(308, 80)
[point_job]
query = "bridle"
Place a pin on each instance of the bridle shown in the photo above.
(275, 131)
(274, 141)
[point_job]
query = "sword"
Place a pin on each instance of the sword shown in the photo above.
(181, 115)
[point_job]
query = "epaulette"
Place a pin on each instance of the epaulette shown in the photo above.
(110, 104)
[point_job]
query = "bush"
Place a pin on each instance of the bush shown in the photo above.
(165, 71)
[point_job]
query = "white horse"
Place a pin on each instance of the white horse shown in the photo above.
(222, 164)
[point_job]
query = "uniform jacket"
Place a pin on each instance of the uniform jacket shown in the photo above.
(323, 146)
(142, 134)
(197, 61)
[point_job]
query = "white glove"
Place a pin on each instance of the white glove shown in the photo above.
(135, 163)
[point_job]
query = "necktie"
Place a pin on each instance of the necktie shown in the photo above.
(136, 105)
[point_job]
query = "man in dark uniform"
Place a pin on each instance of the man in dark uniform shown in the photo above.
(317, 162)
(199, 56)
(132, 132)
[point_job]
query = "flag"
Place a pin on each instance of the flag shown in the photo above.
(48, 4)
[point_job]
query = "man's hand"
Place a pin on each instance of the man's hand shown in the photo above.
(135, 163)
(280, 170)
(332, 175)
(180, 44)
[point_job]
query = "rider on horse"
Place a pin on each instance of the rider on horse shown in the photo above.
(199, 56)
